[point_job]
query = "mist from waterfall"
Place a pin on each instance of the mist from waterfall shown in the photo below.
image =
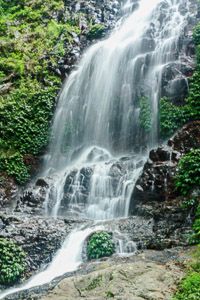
(98, 116)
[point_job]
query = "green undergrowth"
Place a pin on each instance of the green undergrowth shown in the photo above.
(187, 182)
(12, 262)
(145, 117)
(34, 35)
(189, 288)
(172, 117)
(100, 244)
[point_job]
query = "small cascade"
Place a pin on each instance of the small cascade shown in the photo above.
(67, 259)
(97, 187)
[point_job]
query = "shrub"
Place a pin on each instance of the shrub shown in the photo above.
(171, 117)
(145, 117)
(189, 288)
(14, 165)
(32, 42)
(100, 244)
(12, 262)
(187, 178)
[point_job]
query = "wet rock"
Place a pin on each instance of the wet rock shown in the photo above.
(155, 195)
(87, 12)
(8, 191)
(41, 182)
(40, 237)
(187, 138)
(157, 180)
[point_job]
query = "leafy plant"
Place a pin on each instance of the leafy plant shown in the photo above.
(12, 262)
(189, 288)
(14, 165)
(100, 244)
(195, 238)
(96, 31)
(32, 41)
(171, 116)
(145, 117)
(187, 178)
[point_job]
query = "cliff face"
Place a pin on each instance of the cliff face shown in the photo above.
(40, 43)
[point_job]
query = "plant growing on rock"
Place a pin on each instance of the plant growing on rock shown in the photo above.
(100, 244)
(187, 182)
(145, 117)
(12, 262)
(187, 178)
(96, 31)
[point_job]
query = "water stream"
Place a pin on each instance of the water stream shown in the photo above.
(98, 139)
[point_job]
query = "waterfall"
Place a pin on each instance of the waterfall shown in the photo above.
(99, 115)
(96, 153)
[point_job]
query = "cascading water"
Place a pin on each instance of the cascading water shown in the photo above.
(95, 156)
(98, 117)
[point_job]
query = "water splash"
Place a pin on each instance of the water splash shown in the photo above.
(99, 110)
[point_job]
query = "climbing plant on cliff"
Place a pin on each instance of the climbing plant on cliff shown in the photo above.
(188, 176)
(12, 262)
(145, 117)
(173, 117)
(34, 35)
(188, 183)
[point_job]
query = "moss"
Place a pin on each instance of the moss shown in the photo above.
(94, 283)
(33, 37)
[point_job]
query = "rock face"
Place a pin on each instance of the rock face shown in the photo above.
(139, 280)
(40, 237)
(104, 13)
(156, 182)
(155, 196)
(175, 75)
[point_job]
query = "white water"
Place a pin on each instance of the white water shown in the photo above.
(96, 127)
(98, 115)
(67, 259)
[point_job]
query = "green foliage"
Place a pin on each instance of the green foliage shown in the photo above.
(188, 175)
(32, 41)
(195, 263)
(14, 165)
(195, 238)
(172, 117)
(100, 244)
(25, 116)
(196, 34)
(94, 283)
(109, 294)
(189, 288)
(188, 183)
(12, 262)
(96, 31)
(145, 117)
